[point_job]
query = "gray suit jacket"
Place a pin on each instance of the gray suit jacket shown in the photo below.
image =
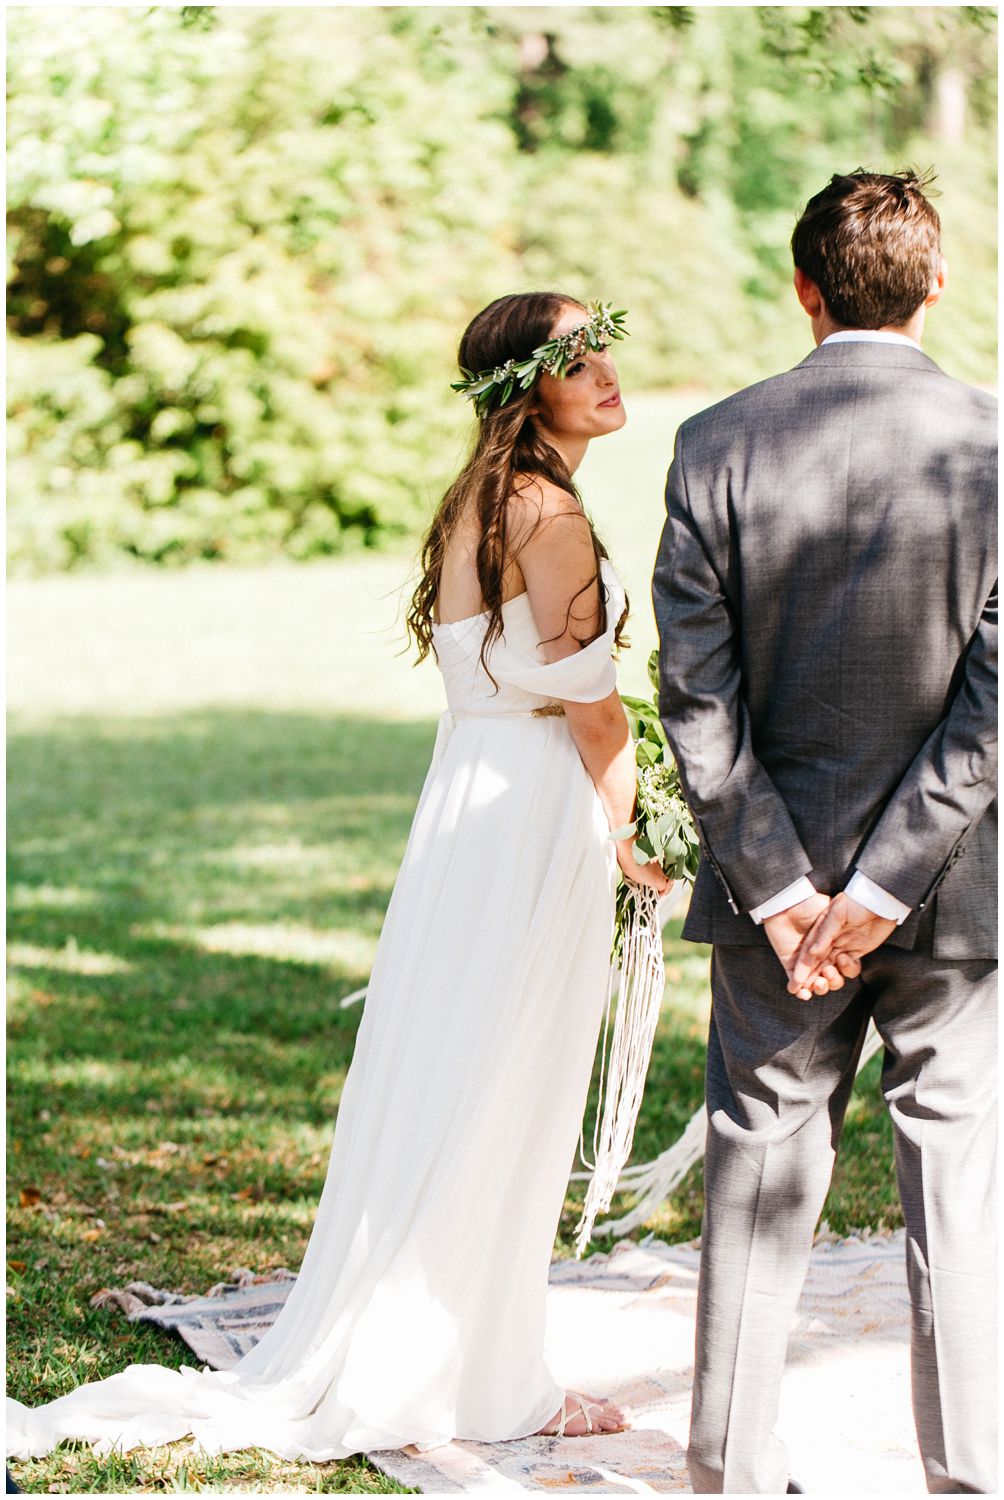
(826, 599)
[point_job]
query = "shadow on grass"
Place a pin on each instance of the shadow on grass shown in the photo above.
(190, 898)
(205, 886)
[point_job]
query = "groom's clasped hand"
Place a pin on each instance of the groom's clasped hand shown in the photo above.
(821, 941)
(811, 955)
(841, 935)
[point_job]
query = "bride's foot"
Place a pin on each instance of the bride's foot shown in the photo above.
(584, 1416)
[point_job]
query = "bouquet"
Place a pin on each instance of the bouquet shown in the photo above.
(663, 830)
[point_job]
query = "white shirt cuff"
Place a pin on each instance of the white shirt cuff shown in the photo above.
(792, 894)
(867, 893)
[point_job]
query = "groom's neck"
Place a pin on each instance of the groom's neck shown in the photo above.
(823, 325)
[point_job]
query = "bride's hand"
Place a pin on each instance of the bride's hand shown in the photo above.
(652, 874)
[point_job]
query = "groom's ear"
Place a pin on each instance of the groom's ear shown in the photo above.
(808, 294)
(938, 283)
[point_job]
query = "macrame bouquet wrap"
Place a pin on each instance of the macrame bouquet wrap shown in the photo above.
(664, 833)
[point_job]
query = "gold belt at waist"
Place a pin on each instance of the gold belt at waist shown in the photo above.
(546, 711)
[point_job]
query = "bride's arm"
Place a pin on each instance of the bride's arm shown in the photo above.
(554, 548)
(603, 740)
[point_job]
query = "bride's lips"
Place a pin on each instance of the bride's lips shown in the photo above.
(614, 400)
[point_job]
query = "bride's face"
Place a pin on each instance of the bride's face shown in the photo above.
(585, 402)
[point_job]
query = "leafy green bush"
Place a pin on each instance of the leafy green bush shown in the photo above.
(241, 257)
(240, 253)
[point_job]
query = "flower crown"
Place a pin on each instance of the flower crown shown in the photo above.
(599, 329)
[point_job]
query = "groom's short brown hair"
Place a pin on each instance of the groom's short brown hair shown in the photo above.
(872, 243)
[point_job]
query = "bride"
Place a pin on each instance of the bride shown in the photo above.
(418, 1312)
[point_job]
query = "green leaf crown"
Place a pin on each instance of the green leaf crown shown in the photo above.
(601, 327)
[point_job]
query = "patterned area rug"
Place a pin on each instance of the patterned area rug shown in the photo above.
(623, 1325)
(218, 1327)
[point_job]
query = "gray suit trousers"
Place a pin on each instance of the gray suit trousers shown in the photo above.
(779, 1076)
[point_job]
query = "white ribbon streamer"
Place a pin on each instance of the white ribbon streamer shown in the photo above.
(655, 1180)
(639, 985)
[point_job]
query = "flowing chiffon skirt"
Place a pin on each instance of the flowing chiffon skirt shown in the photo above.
(418, 1312)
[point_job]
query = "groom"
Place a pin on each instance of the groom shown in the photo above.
(827, 607)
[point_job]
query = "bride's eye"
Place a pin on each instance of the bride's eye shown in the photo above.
(580, 364)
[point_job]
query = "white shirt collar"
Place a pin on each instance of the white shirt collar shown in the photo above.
(869, 336)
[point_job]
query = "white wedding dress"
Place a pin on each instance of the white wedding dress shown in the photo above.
(418, 1312)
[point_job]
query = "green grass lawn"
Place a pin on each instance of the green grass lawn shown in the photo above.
(212, 775)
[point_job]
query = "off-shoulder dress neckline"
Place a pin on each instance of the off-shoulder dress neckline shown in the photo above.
(483, 614)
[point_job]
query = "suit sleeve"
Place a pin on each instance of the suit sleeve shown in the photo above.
(746, 831)
(948, 787)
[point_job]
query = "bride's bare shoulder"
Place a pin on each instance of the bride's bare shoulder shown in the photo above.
(534, 504)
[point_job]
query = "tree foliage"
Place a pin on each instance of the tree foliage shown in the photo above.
(242, 242)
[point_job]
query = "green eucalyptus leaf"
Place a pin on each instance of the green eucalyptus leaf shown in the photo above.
(667, 825)
(640, 707)
(618, 834)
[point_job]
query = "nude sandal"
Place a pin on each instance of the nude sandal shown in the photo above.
(567, 1416)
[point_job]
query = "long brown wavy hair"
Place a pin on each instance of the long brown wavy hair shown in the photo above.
(507, 450)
